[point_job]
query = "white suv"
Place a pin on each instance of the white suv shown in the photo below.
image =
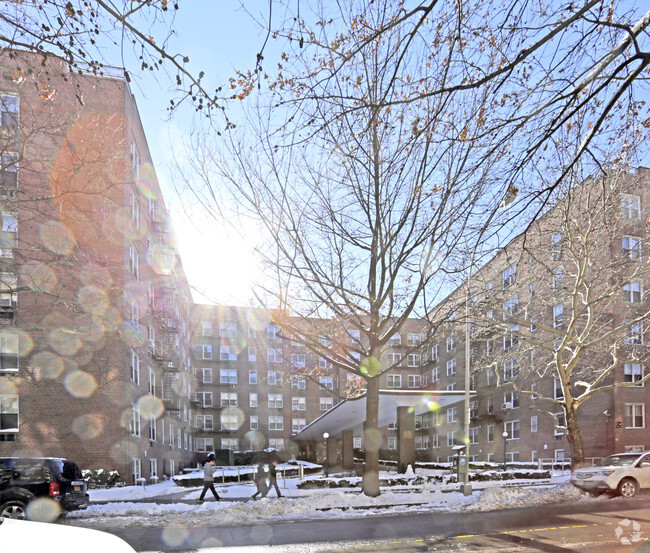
(623, 473)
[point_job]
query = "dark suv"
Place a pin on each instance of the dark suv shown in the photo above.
(13, 499)
(57, 479)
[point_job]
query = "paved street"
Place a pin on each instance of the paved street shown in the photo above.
(603, 527)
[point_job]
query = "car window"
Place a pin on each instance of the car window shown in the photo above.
(618, 460)
(31, 470)
(70, 471)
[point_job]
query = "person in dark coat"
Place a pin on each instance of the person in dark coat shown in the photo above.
(273, 478)
(208, 479)
(261, 479)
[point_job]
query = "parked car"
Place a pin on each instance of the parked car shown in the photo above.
(13, 499)
(622, 473)
(58, 479)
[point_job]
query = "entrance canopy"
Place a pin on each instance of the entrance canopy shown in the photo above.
(351, 413)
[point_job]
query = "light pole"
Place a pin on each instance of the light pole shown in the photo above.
(325, 436)
(505, 443)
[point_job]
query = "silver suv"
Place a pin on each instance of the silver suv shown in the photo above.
(623, 473)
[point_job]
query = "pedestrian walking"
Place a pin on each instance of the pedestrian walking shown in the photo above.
(208, 479)
(273, 477)
(261, 480)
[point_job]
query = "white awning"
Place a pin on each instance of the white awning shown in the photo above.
(351, 413)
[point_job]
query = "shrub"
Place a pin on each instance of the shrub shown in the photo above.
(100, 478)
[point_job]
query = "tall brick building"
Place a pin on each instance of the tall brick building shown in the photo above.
(94, 359)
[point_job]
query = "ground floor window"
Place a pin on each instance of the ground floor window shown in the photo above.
(137, 469)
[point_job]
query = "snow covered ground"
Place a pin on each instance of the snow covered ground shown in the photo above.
(166, 503)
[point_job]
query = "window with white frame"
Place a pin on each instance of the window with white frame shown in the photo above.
(511, 306)
(153, 430)
(135, 422)
(510, 369)
(413, 360)
(435, 374)
(490, 432)
(392, 359)
(8, 414)
(451, 367)
(391, 442)
(511, 400)
(252, 354)
(298, 360)
(8, 234)
(326, 403)
(556, 246)
(134, 261)
(451, 344)
(9, 113)
(413, 339)
(207, 399)
(206, 351)
(152, 382)
(394, 340)
(298, 424)
(509, 276)
(435, 353)
(327, 382)
(414, 380)
(633, 372)
(512, 428)
(252, 400)
(558, 392)
(254, 422)
(135, 367)
(274, 378)
(228, 330)
(276, 444)
(8, 352)
(228, 353)
(632, 292)
(228, 399)
(533, 289)
(630, 206)
(230, 443)
(298, 404)
(228, 376)
(207, 375)
(252, 377)
(533, 423)
(558, 277)
(204, 445)
(356, 442)
(451, 387)
(298, 383)
(276, 422)
(473, 435)
(634, 334)
(208, 423)
(511, 339)
(137, 468)
(489, 405)
(229, 421)
(452, 413)
(393, 380)
(451, 439)
(635, 415)
(206, 328)
(274, 355)
(275, 401)
(631, 247)
(273, 332)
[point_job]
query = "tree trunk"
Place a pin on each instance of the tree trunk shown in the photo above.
(371, 439)
(574, 436)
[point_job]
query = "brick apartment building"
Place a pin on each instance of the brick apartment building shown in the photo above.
(95, 362)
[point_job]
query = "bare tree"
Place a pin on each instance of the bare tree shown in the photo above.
(566, 304)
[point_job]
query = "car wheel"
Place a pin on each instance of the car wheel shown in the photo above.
(13, 509)
(628, 488)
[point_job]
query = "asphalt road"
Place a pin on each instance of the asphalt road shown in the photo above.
(603, 527)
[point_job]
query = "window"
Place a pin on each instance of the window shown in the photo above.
(275, 401)
(633, 372)
(414, 360)
(414, 380)
(556, 247)
(558, 316)
(451, 344)
(254, 422)
(135, 424)
(228, 330)
(558, 392)
(8, 413)
(451, 439)
(228, 376)
(511, 400)
(451, 367)
(134, 261)
(511, 339)
(490, 433)
(8, 235)
(323, 363)
(274, 355)
(8, 171)
(298, 404)
(512, 428)
(558, 275)
(533, 423)
(152, 382)
(137, 469)
(135, 367)
(298, 360)
(435, 374)
(9, 112)
(435, 353)
(392, 359)
(511, 307)
(206, 328)
(276, 444)
(206, 351)
(276, 422)
(533, 290)
(473, 435)
(208, 423)
(489, 346)
(491, 375)
(207, 399)
(298, 424)
(252, 400)
(230, 443)
(490, 405)
(207, 376)
(204, 445)
(413, 339)
(394, 381)
(631, 247)
(228, 399)
(326, 403)
(509, 276)
(252, 377)
(274, 378)
(229, 421)
(273, 332)
(392, 442)
(228, 353)
(632, 292)
(327, 382)
(394, 340)
(354, 336)
(630, 206)
(8, 352)
(634, 334)
(634, 415)
(298, 383)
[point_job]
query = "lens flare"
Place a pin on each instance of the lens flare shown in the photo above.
(47, 365)
(57, 238)
(161, 259)
(370, 366)
(87, 426)
(80, 384)
(150, 407)
(43, 509)
(38, 277)
(64, 341)
(175, 536)
(132, 334)
(93, 299)
(95, 275)
(258, 320)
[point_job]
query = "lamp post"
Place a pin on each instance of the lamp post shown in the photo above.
(505, 442)
(325, 436)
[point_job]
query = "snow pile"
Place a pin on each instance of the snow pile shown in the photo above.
(503, 498)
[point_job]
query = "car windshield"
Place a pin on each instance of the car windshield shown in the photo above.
(618, 460)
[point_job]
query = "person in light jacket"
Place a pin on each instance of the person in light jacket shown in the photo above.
(208, 479)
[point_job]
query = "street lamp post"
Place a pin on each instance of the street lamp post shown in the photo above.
(325, 436)
(505, 442)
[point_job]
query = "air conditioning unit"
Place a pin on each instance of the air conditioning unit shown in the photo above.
(506, 406)
(6, 302)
